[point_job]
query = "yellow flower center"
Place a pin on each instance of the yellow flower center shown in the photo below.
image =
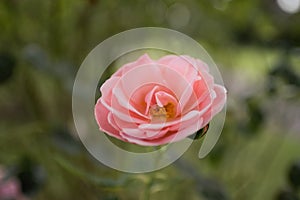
(165, 112)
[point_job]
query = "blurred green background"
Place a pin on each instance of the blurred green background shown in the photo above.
(256, 45)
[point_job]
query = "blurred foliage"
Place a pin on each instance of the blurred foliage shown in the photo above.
(294, 175)
(7, 65)
(254, 43)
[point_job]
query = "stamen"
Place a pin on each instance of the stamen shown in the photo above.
(165, 112)
(170, 109)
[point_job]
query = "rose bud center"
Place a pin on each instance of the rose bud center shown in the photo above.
(162, 113)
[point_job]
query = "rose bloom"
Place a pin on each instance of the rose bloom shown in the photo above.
(10, 188)
(155, 102)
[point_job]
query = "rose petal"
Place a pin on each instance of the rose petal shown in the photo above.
(172, 137)
(192, 115)
(144, 59)
(220, 99)
(124, 101)
(142, 134)
(101, 113)
(202, 66)
(200, 93)
(183, 65)
(149, 98)
(106, 88)
(122, 114)
(153, 74)
(163, 98)
(217, 105)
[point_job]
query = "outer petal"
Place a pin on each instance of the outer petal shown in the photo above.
(201, 65)
(144, 59)
(199, 92)
(138, 134)
(101, 114)
(153, 74)
(171, 136)
(122, 113)
(217, 105)
(106, 88)
(220, 99)
(182, 64)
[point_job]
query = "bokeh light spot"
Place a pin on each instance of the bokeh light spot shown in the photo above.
(178, 15)
(289, 6)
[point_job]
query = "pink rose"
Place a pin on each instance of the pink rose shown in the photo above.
(10, 188)
(149, 102)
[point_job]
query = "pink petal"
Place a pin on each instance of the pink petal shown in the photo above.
(202, 66)
(192, 115)
(149, 98)
(200, 93)
(185, 132)
(163, 98)
(121, 113)
(144, 59)
(120, 99)
(138, 134)
(169, 137)
(101, 114)
(217, 105)
(194, 71)
(220, 99)
(106, 88)
(153, 74)
(183, 65)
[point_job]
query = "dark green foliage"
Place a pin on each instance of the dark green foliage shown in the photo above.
(286, 195)
(31, 176)
(255, 114)
(63, 139)
(294, 175)
(7, 65)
